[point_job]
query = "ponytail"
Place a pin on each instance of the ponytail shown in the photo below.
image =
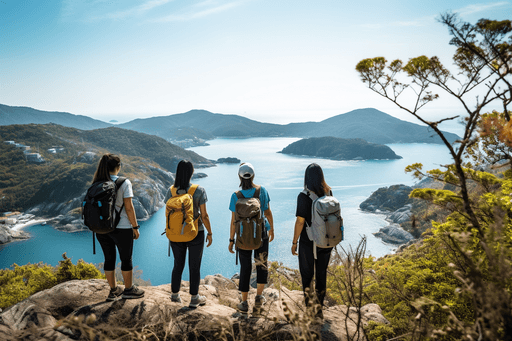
(108, 163)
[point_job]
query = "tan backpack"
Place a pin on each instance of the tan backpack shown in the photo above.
(249, 222)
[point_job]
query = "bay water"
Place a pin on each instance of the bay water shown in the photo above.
(282, 175)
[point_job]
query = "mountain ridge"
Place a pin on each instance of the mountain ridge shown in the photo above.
(369, 124)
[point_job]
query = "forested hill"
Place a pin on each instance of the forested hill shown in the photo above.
(215, 125)
(70, 158)
(26, 115)
(369, 124)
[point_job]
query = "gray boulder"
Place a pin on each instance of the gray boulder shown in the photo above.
(387, 199)
(394, 234)
(401, 215)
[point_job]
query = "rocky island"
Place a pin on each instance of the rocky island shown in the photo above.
(336, 148)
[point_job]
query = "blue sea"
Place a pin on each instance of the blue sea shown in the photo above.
(282, 175)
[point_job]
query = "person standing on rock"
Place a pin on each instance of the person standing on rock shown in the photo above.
(123, 236)
(309, 266)
(249, 190)
(195, 247)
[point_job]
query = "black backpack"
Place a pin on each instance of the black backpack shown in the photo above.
(99, 207)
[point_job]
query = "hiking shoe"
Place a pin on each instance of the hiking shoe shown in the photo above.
(243, 307)
(114, 294)
(175, 297)
(133, 292)
(259, 300)
(197, 300)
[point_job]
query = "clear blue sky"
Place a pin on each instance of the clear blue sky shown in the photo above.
(270, 60)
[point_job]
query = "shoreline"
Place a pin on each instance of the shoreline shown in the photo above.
(30, 222)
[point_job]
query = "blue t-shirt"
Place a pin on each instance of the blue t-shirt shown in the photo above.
(248, 193)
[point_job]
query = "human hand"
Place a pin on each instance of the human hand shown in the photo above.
(231, 247)
(271, 235)
(136, 234)
(294, 249)
(209, 239)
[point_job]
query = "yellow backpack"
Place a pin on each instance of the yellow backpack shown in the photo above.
(179, 210)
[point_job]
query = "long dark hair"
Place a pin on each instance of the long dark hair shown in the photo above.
(314, 180)
(184, 173)
(246, 183)
(108, 163)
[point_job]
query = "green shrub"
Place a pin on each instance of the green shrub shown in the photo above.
(20, 282)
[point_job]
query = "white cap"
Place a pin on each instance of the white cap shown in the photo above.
(246, 170)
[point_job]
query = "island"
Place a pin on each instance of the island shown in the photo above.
(336, 148)
(228, 160)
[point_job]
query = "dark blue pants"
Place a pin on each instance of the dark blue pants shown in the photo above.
(123, 240)
(309, 267)
(260, 256)
(195, 254)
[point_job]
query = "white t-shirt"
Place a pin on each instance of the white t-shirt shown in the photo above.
(125, 191)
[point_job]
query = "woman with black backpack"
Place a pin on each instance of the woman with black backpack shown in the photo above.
(126, 231)
(309, 266)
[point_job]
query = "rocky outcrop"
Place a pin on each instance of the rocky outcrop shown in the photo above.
(77, 310)
(387, 199)
(394, 234)
(393, 201)
(8, 235)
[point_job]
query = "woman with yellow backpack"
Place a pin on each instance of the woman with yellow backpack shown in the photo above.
(180, 197)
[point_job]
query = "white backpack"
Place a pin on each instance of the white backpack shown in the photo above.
(326, 228)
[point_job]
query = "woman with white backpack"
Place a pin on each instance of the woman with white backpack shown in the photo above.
(313, 261)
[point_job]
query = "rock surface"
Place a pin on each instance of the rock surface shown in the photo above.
(387, 199)
(394, 234)
(393, 201)
(72, 310)
(7, 235)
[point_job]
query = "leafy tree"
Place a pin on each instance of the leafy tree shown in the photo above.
(479, 229)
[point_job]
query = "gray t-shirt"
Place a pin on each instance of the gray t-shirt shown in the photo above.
(199, 198)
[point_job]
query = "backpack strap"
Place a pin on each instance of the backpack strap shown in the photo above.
(119, 182)
(192, 189)
(239, 195)
(174, 191)
(257, 192)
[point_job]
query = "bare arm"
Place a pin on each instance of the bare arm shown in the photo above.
(130, 212)
(206, 222)
(299, 225)
(270, 218)
(232, 232)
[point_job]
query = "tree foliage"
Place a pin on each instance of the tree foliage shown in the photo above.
(477, 233)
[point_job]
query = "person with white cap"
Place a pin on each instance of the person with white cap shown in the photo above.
(248, 190)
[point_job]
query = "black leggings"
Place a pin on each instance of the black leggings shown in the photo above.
(123, 239)
(195, 254)
(260, 256)
(309, 267)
